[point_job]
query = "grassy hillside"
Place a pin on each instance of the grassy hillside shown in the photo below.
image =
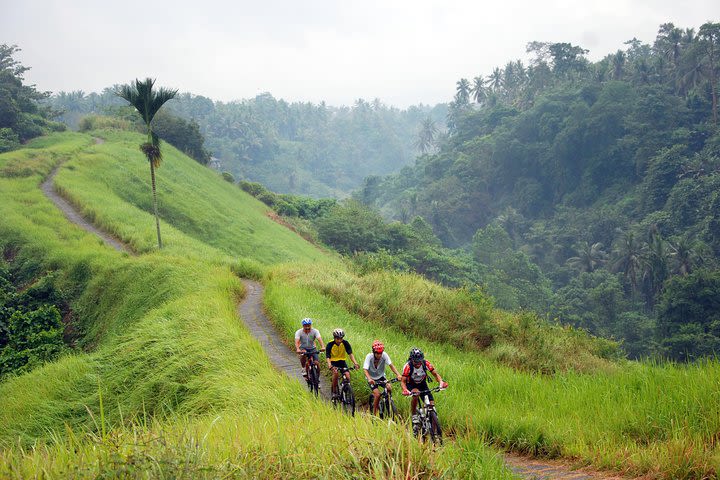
(169, 383)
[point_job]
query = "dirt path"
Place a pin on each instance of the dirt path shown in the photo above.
(284, 359)
(74, 216)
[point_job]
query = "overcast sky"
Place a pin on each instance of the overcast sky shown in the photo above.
(402, 51)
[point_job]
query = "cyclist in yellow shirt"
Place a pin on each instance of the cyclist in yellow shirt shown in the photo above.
(336, 353)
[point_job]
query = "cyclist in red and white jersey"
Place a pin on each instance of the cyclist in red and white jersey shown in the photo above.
(414, 378)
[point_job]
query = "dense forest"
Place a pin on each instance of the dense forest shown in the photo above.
(301, 148)
(590, 191)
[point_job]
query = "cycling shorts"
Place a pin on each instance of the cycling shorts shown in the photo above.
(339, 364)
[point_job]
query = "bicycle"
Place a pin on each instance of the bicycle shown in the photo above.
(387, 405)
(429, 424)
(346, 397)
(312, 371)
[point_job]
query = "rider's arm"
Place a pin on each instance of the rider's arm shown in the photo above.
(322, 344)
(403, 384)
(439, 379)
(297, 345)
(352, 357)
(328, 354)
(394, 370)
(367, 375)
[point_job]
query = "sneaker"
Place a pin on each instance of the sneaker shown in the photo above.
(304, 373)
(416, 419)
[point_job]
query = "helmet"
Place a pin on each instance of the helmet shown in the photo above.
(378, 346)
(307, 321)
(338, 333)
(416, 355)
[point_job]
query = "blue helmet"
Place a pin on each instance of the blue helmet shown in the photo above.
(307, 321)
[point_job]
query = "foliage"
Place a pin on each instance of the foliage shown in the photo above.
(689, 316)
(31, 330)
(21, 115)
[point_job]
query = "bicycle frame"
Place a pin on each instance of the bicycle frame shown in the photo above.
(426, 411)
(386, 405)
(344, 393)
(312, 378)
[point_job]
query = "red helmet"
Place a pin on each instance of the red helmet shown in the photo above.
(378, 346)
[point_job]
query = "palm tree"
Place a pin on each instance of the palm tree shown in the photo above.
(710, 36)
(478, 89)
(629, 259)
(147, 102)
(589, 257)
(463, 91)
(426, 137)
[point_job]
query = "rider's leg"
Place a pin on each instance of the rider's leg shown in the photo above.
(413, 402)
(376, 400)
(335, 381)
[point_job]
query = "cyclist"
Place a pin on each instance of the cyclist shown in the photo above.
(305, 339)
(336, 353)
(414, 378)
(374, 366)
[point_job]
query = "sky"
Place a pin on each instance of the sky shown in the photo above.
(404, 52)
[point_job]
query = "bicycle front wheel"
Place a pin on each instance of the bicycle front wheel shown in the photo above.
(314, 379)
(435, 428)
(348, 400)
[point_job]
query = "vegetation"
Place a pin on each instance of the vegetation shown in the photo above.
(21, 115)
(582, 189)
(157, 391)
(147, 102)
(297, 148)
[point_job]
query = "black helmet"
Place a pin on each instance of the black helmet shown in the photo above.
(416, 355)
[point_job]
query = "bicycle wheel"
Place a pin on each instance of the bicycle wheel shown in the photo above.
(314, 379)
(435, 428)
(392, 409)
(348, 399)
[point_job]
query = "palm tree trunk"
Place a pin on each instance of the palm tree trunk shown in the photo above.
(157, 219)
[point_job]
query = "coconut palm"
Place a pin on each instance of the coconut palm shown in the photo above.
(629, 254)
(589, 257)
(478, 89)
(426, 136)
(147, 102)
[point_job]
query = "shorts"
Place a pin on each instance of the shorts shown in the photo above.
(339, 364)
(420, 386)
(375, 387)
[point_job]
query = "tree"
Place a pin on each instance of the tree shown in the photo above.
(478, 89)
(147, 102)
(589, 257)
(462, 96)
(426, 136)
(709, 34)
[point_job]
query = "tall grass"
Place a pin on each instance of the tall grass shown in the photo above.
(642, 419)
(169, 383)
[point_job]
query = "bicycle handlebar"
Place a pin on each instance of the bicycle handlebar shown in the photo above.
(423, 392)
(308, 353)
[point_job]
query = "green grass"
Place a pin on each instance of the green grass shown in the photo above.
(643, 419)
(168, 382)
(186, 391)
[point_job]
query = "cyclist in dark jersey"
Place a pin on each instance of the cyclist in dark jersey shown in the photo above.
(414, 378)
(336, 354)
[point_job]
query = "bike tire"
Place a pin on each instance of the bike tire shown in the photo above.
(348, 400)
(435, 428)
(314, 379)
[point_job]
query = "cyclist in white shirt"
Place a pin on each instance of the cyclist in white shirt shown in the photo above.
(305, 339)
(374, 368)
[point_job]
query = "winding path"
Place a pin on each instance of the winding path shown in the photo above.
(285, 360)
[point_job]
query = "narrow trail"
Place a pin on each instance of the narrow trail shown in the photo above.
(74, 216)
(285, 360)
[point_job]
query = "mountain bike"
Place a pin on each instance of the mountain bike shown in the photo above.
(387, 405)
(429, 424)
(312, 371)
(346, 397)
